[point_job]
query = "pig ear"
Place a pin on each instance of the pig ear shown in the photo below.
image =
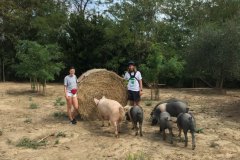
(96, 100)
(103, 97)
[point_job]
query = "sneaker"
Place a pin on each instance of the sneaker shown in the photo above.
(73, 122)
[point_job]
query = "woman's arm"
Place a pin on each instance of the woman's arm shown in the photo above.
(65, 91)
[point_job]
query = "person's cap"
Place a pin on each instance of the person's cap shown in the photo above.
(131, 63)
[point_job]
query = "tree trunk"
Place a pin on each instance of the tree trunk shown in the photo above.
(206, 82)
(44, 87)
(3, 71)
(219, 83)
(151, 92)
(156, 91)
(193, 83)
(31, 83)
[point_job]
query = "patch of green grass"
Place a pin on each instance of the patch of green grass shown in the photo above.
(62, 103)
(56, 141)
(60, 134)
(199, 130)
(148, 103)
(9, 141)
(59, 114)
(59, 102)
(28, 143)
(137, 156)
(28, 120)
(213, 144)
(181, 139)
(33, 106)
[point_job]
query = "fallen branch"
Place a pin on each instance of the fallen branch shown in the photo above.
(52, 134)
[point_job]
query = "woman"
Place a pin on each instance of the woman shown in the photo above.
(70, 90)
(134, 78)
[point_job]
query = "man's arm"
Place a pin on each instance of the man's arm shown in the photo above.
(140, 85)
(126, 76)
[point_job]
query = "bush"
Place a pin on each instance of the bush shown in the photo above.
(56, 142)
(60, 134)
(59, 102)
(148, 103)
(33, 106)
(28, 120)
(28, 143)
(137, 156)
(59, 114)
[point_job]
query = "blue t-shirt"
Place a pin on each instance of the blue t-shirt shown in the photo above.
(70, 82)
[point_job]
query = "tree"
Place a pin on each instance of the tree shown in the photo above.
(215, 52)
(38, 63)
(27, 19)
(158, 65)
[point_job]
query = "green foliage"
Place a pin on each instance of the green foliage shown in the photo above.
(28, 120)
(61, 134)
(59, 102)
(59, 114)
(27, 20)
(28, 143)
(56, 141)
(170, 40)
(215, 51)
(9, 141)
(33, 106)
(159, 64)
(137, 156)
(148, 103)
(199, 130)
(213, 144)
(38, 62)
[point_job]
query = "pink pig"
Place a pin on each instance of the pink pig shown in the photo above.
(110, 110)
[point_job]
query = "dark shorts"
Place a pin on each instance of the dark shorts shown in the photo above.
(134, 96)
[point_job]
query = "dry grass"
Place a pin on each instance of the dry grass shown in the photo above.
(95, 84)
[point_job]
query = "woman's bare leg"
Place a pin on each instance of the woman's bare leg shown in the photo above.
(75, 106)
(69, 106)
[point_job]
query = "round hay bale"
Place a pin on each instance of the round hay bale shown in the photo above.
(96, 83)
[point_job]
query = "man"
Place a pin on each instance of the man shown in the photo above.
(134, 78)
(70, 91)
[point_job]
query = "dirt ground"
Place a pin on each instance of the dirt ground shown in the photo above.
(218, 115)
